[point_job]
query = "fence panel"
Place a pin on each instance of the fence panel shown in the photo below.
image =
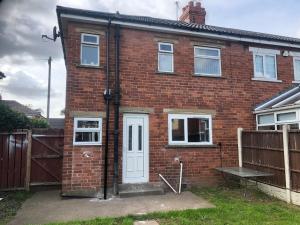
(263, 151)
(294, 153)
(13, 152)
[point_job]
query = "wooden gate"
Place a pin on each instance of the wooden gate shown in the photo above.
(13, 157)
(27, 160)
(46, 157)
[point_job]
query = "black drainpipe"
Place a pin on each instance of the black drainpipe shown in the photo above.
(117, 105)
(107, 98)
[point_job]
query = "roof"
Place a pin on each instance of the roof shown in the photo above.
(287, 98)
(145, 20)
(18, 107)
(57, 123)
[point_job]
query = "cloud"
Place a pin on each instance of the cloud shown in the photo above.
(22, 84)
(21, 25)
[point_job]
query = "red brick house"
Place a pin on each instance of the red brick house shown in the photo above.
(144, 93)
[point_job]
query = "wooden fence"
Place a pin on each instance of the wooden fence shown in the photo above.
(264, 151)
(30, 158)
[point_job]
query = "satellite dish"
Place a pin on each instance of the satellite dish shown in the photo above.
(55, 34)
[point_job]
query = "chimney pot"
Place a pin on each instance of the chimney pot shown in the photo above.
(193, 13)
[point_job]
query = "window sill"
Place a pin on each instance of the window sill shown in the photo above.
(266, 80)
(166, 73)
(89, 67)
(86, 144)
(192, 146)
(209, 76)
(296, 82)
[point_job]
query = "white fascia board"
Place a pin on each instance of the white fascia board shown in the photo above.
(286, 100)
(294, 54)
(275, 99)
(180, 31)
(276, 109)
(264, 51)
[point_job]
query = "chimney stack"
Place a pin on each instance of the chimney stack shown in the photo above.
(193, 13)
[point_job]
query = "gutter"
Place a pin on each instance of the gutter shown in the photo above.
(182, 31)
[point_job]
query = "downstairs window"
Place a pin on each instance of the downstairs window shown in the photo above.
(190, 129)
(87, 131)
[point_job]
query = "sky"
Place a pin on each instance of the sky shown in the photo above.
(24, 54)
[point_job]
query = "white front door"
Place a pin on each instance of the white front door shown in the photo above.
(135, 148)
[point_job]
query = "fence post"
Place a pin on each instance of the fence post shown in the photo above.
(286, 163)
(28, 160)
(239, 134)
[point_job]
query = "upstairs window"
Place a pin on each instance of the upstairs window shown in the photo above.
(165, 58)
(87, 131)
(207, 61)
(265, 65)
(89, 50)
(297, 69)
(190, 129)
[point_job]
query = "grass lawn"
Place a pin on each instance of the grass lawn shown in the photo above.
(11, 202)
(231, 208)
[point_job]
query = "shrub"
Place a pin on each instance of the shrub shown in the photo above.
(11, 120)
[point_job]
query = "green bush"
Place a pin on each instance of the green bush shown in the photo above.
(39, 123)
(11, 120)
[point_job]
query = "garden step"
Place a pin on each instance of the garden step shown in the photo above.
(132, 190)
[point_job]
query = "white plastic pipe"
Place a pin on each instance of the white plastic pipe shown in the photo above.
(180, 177)
(167, 183)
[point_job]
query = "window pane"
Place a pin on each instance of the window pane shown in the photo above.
(89, 55)
(177, 129)
(206, 52)
(207, 66)
(87, 124)
(270, 67)
(198, 130)
(294, 126)
(266, 127)
(266, 119)
(165, 62)
(165, 47)
(90, 39)
(140, 138)
(130, 138)
(297, 69)
(286, 116)
(259, 66)
(87, 136)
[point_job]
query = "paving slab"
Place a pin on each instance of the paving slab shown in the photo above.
(48, 206)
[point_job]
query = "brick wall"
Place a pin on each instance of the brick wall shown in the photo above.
(232, 96)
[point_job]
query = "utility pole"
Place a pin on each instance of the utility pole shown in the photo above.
(49, 87)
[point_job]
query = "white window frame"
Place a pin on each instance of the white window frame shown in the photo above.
(294, 65)
(258, 76)
(208, 57)
(90, 44)
(276, 122)
(165, 52)
(185, 117)
(76, 129)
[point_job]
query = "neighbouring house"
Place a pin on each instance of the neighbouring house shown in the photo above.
(18, 107)
(144, 93)
(56, 123)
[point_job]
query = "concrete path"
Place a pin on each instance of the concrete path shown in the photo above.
(47, 206)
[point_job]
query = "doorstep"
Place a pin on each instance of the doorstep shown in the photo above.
(133, 190)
